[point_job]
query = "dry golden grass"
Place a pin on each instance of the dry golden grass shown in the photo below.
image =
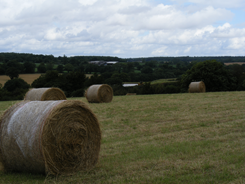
(237, 63)
(29, 78)
(173, 138)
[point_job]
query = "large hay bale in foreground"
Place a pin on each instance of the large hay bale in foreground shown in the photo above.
(43, 94)
(101, 93)
(197, 87)
(53, 137)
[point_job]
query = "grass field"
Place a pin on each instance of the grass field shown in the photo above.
(163, 81)
(171, 138)
(29, 78)
(233, 63)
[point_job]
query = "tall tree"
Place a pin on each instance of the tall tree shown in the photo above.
(29, 67)
(60, 68)
(49, 66)
(12, 72)
(215, 76)
(69, 67)
(41, 68)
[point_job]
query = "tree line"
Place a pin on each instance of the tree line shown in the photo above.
(69, 75)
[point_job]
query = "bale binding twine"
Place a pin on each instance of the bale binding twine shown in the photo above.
(197, 87)
(52, 137)
(101, 93)
(43, 94)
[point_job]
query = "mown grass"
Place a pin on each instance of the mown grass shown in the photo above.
(171, 138)
(163, 81)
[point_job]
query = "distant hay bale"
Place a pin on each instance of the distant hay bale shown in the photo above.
(43, 94)
(197, 87)
(131, 94)
(101, 93)
(52, 137)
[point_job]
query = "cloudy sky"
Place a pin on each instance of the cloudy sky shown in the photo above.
(123, 28)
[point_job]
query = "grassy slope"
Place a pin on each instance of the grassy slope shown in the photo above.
(29, 78)
(175, 138)
(163, 81)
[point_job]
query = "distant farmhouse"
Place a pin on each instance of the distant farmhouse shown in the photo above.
(103, 62)
(98, 62)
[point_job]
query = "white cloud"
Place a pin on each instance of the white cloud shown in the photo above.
(87, 2)
(215, 3)
(237, 43)
(118, 27)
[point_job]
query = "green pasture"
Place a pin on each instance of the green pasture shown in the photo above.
(163, 81)
(169, 138)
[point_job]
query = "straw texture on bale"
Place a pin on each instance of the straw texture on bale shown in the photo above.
(44, 94)
(52, 137)
(197, 87)
(101, 93)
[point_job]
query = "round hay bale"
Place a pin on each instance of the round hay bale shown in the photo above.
(101, 93)
(52, 137)
(44, 94)
(197, 87)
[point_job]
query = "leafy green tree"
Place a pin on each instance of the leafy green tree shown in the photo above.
(69, 67)
(15, 64)
(118, 67)
(12, 63)
(74, 81)
(78, 93)
(94, 79)
(39, 82)
(29, 67)
(215, 76)
(123, 76)
(2, 58)
(74, 61)
(12, 72)
(2, 71)
(159, 73)
(60, 68)
(64, 60)
(151, 64)
(68, 82)
(12, 85)
(237, 71)
(80, 68)
(41, 68)
(147, 70)
(147, 88)
(51, 75)
(49, 66)
(114, 81)
(107, 75)
(136, 64)
(129, 67)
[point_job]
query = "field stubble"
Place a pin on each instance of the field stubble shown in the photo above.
(173, 138)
